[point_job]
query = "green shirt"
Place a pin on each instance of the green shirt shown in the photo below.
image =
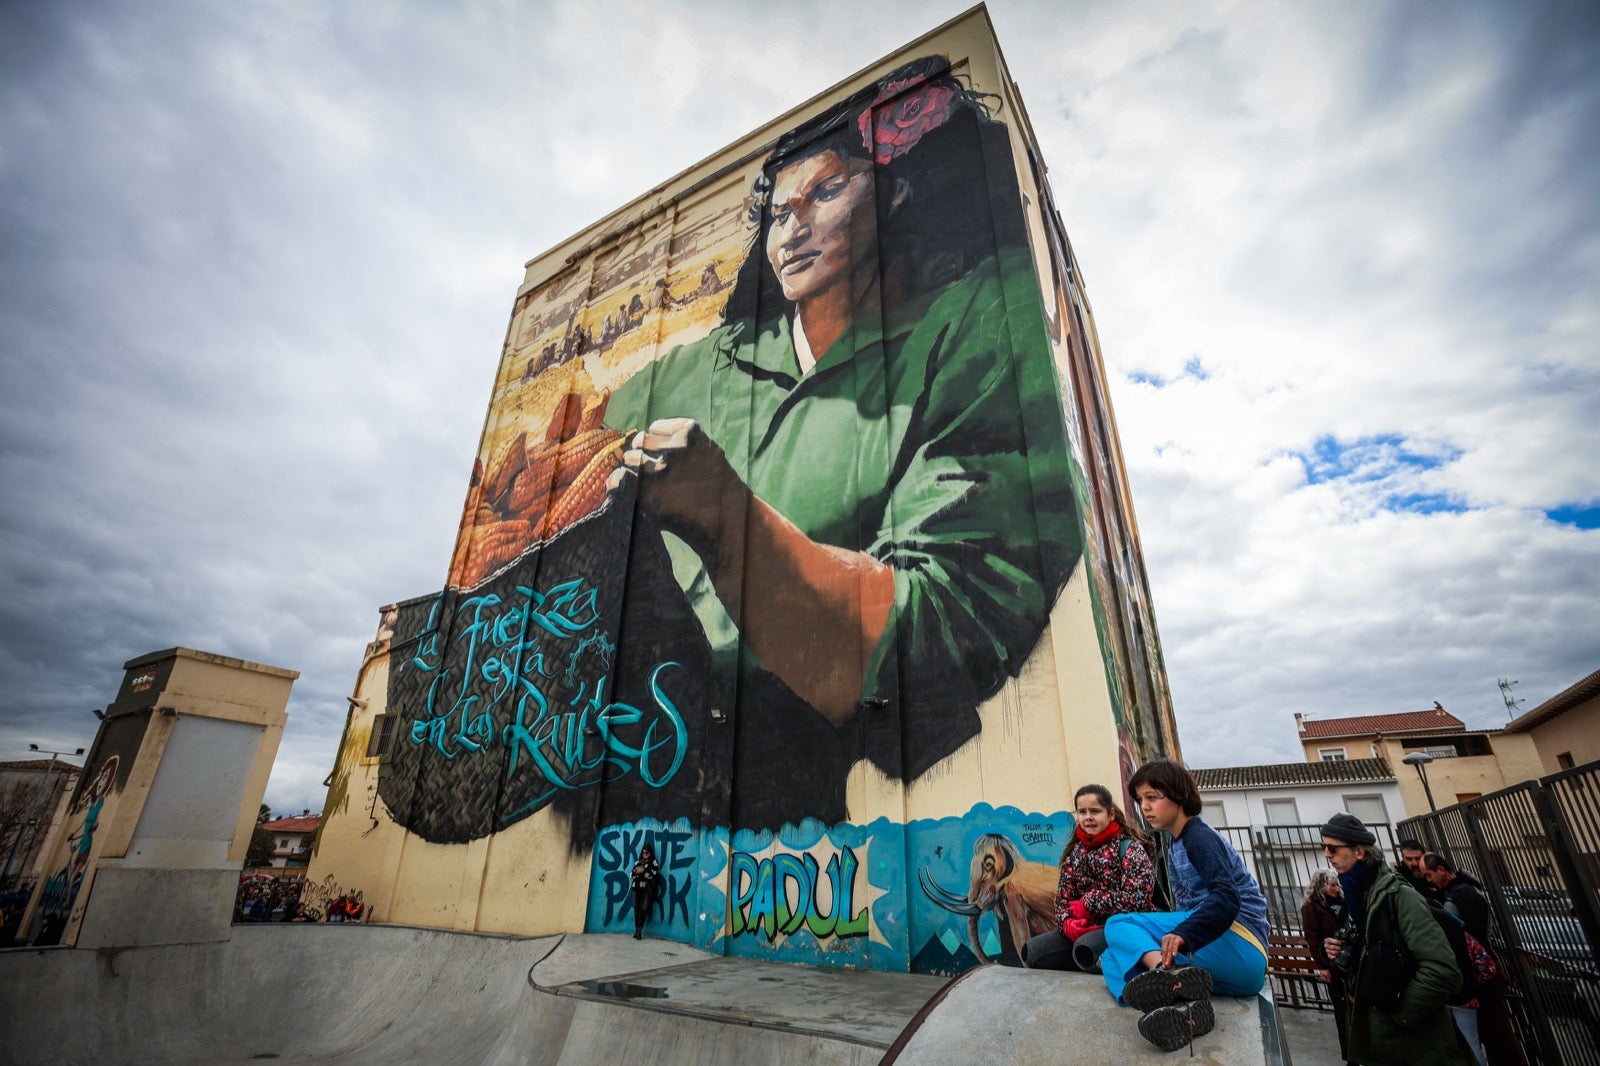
(932, 440)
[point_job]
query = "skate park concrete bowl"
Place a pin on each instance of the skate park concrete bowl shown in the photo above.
(394, 994)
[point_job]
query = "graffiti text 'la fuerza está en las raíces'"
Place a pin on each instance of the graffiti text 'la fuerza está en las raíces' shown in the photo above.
(546, 665)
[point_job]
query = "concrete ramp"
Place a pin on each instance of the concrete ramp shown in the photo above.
(387, 995)
(390, 994)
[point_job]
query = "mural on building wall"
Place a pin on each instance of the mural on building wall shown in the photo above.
(826, 530)
(780, 481)
(60, 890)
(878, 895)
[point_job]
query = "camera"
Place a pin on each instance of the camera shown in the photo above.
(1350, 946)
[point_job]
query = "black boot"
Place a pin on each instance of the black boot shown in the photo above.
(1177, 1024)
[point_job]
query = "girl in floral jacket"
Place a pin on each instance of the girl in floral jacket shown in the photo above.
(1105, 870)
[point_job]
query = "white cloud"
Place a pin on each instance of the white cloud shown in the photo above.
(257, 263)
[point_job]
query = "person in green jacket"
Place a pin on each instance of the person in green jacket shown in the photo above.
(1419, 1031)
(862, 475)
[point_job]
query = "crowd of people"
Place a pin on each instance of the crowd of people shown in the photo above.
(12, 904)
(1431, 924)
(271, 899)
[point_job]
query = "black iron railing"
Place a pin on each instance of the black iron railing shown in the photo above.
(1536, 849)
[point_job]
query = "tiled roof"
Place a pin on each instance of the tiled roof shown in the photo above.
(1437, 720)
(1560, 703)
(1343, 771)
(62, 766)
(293, 825)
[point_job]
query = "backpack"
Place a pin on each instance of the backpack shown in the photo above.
(1470, 963)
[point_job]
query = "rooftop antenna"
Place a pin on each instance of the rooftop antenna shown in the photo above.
(1506, 684)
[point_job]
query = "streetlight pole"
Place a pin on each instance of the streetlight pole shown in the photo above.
(1420, 759)
(16, 841)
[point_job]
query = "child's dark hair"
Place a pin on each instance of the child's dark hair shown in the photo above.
(1130, 828)
(1171, 780)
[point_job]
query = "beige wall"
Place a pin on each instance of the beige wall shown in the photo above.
(1354, 748)
(1575, 732)
(1513, 761)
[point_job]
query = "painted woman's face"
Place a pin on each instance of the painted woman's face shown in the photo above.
(822, 224)
(1093, 818)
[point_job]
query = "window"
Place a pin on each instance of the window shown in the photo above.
(1213, 812)
(284, 843)
(1282, 812)
(1461, 745)
(1564, 760)
(1370, 809)
(1462, 797)
(1331, 754)
(384, 727)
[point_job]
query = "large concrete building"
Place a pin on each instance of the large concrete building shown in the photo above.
(798, 545)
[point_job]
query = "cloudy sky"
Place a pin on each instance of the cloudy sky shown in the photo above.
(256, 262)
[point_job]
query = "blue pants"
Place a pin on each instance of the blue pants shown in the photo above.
(1237, 966)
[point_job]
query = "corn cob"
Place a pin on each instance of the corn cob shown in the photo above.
(528, 499)
(492, 547)
(547, 465)
(586, 492)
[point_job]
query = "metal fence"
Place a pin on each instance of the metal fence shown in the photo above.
(1283, 858)
(1536, 849)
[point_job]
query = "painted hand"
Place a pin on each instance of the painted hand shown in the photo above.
(683, 477)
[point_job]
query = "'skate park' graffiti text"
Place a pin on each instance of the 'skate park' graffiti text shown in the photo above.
(782, 894)
(614, 855)
(531, 674)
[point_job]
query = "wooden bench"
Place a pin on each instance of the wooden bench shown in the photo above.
(1295, 974)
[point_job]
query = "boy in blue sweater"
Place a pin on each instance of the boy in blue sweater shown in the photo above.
(1166, 964)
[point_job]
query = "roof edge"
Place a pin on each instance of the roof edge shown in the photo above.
(1559, 704)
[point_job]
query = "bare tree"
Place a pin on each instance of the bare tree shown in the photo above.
(17, 839)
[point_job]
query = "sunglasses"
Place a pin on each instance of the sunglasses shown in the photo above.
(1330, 848)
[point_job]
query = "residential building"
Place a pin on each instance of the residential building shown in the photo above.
(1298, 793)
(291, 838)
(1271, 815)
(1465, 763)
(34, 794)
(1566, 727)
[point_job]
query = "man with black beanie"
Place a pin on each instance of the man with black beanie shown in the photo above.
(1403, 970)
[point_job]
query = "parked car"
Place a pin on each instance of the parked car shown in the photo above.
(1521, 899)
(1562, 961)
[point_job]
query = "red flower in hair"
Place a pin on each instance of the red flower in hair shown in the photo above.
(901, 115)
